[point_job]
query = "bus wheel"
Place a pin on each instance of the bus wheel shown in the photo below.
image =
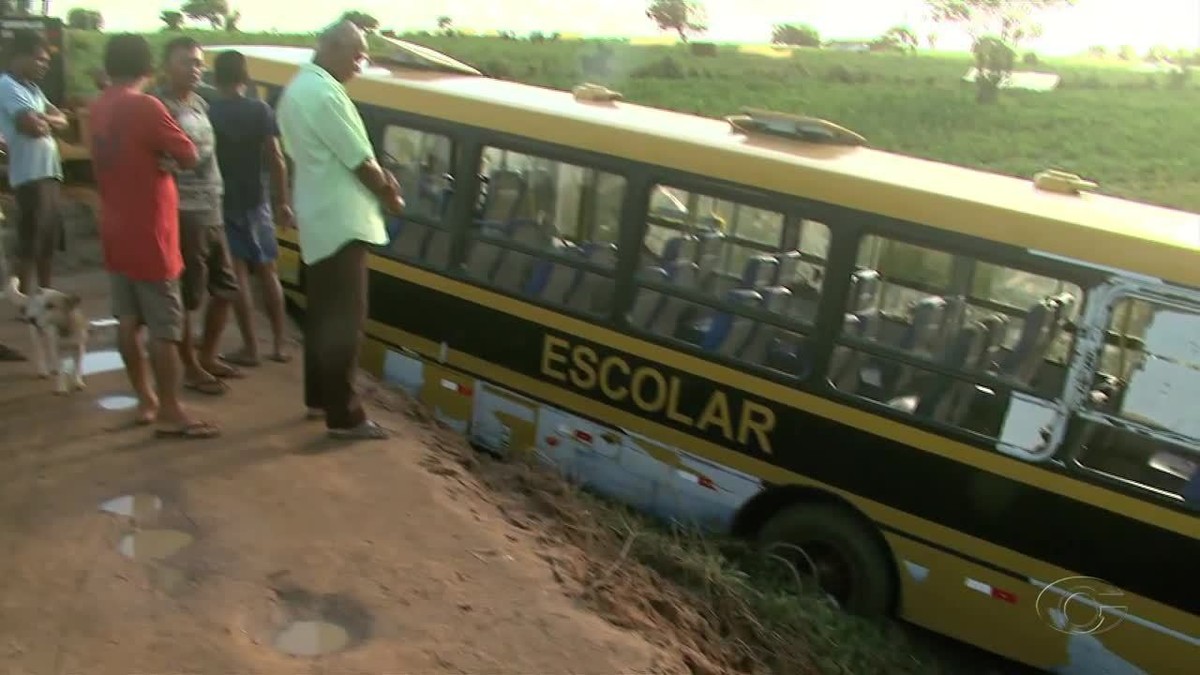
(831, 544)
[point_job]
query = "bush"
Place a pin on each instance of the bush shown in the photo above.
(598, 63)
(704, 49)
(797, 35)
(498, 69)
(1179, 77)
(886, 44)
(665, 68)
(1030, 59)
(840, 73)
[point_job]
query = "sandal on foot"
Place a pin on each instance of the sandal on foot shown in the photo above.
(240, 359)
(223, 370)
(194, 430)
(281, 357)
(367, 431)
(9, 354)
(213, 387)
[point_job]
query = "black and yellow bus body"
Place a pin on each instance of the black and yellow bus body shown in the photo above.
(932, 379)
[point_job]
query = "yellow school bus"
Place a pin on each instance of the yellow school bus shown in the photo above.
(969, 399)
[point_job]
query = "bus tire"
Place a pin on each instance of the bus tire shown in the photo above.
(832, 535)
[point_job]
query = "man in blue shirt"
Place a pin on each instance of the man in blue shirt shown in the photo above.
(248, 152)
(27, 122)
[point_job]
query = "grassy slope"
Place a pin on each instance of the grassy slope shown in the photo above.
(1126, 129)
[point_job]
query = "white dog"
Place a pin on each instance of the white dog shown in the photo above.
(55, 320)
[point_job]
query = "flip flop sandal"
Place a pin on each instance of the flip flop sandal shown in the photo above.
(224, 371)
(367, 431)
(241, 360)
(10, 354)
(195, 430)
(134, 423)
(281, 358)
(213, 387)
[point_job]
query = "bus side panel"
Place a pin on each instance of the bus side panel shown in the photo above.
(1010, 616)
(503, 422)
(660, 480)
(949, 595)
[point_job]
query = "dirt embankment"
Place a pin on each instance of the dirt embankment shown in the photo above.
(424, 556)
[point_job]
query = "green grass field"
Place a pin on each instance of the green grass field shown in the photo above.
(1128, 130)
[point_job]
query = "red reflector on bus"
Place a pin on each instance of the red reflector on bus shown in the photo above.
(999, 594)
(461, 389)
(552, 441)
(707, 482)
(583, 436)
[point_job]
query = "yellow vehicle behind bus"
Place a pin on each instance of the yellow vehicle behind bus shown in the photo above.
(968, 398)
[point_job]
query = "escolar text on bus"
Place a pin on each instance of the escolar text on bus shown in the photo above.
(655, 393)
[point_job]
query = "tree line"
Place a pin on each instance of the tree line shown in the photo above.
(996, 27)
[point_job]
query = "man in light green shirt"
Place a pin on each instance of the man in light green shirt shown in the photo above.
(339, 188)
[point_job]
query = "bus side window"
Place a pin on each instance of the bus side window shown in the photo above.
(979, 320)
(422, 164)
(1140, 423)
(739, 256)
(547, 230)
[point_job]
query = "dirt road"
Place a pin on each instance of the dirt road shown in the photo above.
(240, 536)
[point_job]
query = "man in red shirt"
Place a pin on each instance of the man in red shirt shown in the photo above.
(133, 140)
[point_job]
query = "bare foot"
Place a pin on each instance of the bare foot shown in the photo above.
(146, 415)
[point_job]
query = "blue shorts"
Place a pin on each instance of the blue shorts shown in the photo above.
(251, 235)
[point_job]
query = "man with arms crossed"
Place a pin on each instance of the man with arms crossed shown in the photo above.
(206, 263)
(338, 191)
(247, 150)
(27, 121)
(131, 134)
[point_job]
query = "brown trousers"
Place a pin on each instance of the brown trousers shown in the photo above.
(336, 289)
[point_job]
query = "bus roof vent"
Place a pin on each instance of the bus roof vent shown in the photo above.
(595, 92)
(753, 121)
(1053, 180)
(411, 55)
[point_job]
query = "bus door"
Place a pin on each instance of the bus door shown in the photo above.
(1136, 422)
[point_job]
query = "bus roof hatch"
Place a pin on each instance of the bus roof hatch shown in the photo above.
(1053, 180)
(595, 92)
(417, 57)
(796, 127)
